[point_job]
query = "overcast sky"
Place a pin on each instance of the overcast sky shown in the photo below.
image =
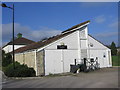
(37, 20)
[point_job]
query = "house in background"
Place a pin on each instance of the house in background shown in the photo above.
(118, 50)
(18, 42)
(56, 54)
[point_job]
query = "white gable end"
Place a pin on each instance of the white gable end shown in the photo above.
(94, 44)
(70, 40)
(99, 52)
(9, 48)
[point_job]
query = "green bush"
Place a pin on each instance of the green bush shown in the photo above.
(19, 71)
(6, 58)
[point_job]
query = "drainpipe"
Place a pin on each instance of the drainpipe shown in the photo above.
(63, 59)
(36, 69)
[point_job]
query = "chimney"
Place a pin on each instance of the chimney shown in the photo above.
(19, 35)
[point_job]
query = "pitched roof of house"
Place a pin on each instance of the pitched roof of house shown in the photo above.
(49, 40)
(20, 41)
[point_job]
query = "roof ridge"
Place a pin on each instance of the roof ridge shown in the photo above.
(20, 41)
(75, 26)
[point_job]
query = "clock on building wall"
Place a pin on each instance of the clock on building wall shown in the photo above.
(104, 55)
(91, 45)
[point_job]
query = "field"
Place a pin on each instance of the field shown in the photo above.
(116, 60)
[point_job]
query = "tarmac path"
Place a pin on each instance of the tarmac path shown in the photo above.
(103, 78)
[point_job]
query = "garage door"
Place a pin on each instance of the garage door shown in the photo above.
(53, 62)
(69, 57)
(58, 61)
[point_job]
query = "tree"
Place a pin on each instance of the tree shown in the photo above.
(6, 58)
(45, 38)
(113, 49)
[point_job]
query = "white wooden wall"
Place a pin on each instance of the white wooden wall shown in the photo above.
(99, 50)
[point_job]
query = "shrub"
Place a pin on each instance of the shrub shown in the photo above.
(19, 71)
(6, 58)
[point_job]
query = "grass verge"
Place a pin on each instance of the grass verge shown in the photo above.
(116, 60)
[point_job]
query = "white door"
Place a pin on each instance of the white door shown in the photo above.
(58, 61)
(53, 62)
(69, 57)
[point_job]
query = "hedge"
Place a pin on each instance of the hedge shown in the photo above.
(19, 71)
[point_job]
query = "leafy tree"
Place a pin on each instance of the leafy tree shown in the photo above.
(113, 48)
(6, 58)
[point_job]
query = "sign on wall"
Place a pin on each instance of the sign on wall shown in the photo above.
(61, 46)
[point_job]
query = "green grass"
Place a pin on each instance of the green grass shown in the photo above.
(116, 60)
